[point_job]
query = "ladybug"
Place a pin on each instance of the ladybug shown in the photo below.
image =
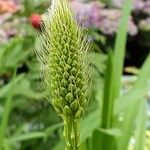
(36, 21)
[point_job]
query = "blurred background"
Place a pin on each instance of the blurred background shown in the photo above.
(27, 120)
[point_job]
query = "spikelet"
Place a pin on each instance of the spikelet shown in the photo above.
(62, 52)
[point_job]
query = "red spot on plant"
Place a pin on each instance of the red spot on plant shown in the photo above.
(36, 21)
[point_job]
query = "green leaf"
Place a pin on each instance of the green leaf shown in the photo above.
(144, 74)
(1, 110)
(107, 108)
(51, 129)
(7, 145)
(5, 116)
(128, 99)
(120, 46)
(89, 124)
(34, 135)
(141, 127)
(24, 88)
(112, 132)
(60, 145)
(98, 60)
(12, 55)
(7, 88)
(127, 126)
(113, 80)
(27, 136)
(100, 137)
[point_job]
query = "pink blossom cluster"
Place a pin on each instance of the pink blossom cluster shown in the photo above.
(8, 6)
(95, 15)
(8, 29)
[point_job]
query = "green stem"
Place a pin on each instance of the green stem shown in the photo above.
(71, 133)
(68, 133)
(76, 135)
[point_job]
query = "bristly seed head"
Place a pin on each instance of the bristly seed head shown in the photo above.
(62, 52)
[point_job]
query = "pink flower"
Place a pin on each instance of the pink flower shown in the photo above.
(8, 6)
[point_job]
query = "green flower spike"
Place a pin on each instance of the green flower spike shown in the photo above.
(62, 52)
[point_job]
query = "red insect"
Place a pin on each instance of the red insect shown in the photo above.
(36, 21)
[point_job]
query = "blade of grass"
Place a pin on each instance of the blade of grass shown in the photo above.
(113, 78)
(131, 113)
(141, 127)
(28, 136)
(87, 144)
(107, 109)
(127, 127)
(7, 145)
(128, 99)
(96, 143)
(144, 74)
(51, 129)
(7, 88)
(114, 67)
(119, 55)
(120, 46)
(5, 117)
(34, 135)
(59, 146)
(89, 124)
(107, 106)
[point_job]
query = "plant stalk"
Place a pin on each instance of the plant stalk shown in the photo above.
(76, 135)
(71, 133)
(68, 133)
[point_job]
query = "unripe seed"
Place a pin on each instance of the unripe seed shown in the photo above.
(66, 75)
(63, 91)
(60, 47)
(74, 64)
(67, 67)
(83, 103)
(82, 95)
(75, 56)
(79, 113)
(80, 75)
(62, 102)
(65, 51)
(75, 105)
(72, 78)
(79, 83)
(64, 57)
(69, 61)
(64, 82)
(57, 107)
(67, 111)
(67, 45)
(71, 87)
(74, 71)
(58, 76)
(69, 97)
